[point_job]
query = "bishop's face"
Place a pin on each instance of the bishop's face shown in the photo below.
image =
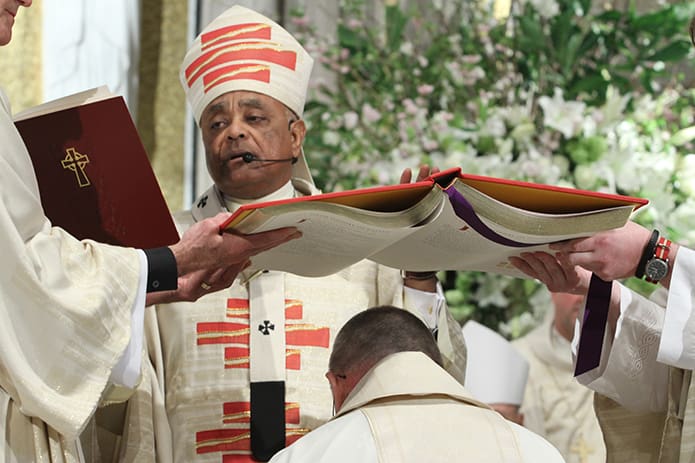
(250, 123)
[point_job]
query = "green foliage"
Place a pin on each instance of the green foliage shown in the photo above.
(559, 92)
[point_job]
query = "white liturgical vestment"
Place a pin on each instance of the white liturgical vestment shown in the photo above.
(65, 317)
(208, 357)
(408, 409)
(646, 405)
(555, 405)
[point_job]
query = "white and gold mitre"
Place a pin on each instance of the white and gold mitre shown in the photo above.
(244, 50)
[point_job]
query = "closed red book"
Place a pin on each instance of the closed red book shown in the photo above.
(94, 176)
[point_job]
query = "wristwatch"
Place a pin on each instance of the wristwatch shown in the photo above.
(647, 253)
(657, 267)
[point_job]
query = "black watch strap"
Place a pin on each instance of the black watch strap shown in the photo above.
(647, 253)
(162, 274)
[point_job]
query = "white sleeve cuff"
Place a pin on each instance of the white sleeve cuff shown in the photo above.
(424, 304)
(677, 346)
(127, 370)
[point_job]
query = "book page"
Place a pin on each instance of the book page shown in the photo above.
(334, 236)
(70, 101)
(538, 227)
(451, 243)
(291, 212)
(328, 244)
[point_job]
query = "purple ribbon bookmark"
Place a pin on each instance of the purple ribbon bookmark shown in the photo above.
(598, 299)
(465, 211)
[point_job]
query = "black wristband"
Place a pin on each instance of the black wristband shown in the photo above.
(647, 254)
(162, 273)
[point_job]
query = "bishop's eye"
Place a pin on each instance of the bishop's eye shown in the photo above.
(255, 118)
(217, 124)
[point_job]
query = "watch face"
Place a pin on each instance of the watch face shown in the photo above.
(656, 269)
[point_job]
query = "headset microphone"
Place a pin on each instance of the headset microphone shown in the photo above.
(249, 158)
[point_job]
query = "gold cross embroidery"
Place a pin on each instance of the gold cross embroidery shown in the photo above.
(76, 162)
(581, 449)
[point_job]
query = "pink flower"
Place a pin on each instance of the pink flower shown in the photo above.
(425, 89)
(410, 106)
(429, 144)
(369, 114)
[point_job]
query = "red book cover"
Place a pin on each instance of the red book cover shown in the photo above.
(94, 176)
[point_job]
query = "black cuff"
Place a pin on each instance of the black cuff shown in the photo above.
(162, 274)
(647, 254)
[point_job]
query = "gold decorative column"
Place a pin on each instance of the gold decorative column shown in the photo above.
(161, 101)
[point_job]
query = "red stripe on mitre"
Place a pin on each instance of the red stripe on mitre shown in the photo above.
(236, 72)
(236, 32)
(220, 440)
(258, 52)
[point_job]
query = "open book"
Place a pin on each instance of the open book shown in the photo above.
(93, 173)
(451, 221)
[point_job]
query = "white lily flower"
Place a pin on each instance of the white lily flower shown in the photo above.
(563, 116)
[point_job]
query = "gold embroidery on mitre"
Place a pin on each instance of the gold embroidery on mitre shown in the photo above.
(231, 34)
(230, 74)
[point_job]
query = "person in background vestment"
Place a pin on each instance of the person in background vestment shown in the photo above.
(555, 405)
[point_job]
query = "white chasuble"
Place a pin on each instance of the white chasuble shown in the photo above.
(65, 314)
(408, 409)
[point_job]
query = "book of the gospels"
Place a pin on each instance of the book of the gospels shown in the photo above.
(94, 176)
(451, 221)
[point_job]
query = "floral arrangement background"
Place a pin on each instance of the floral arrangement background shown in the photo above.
(560, 92)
